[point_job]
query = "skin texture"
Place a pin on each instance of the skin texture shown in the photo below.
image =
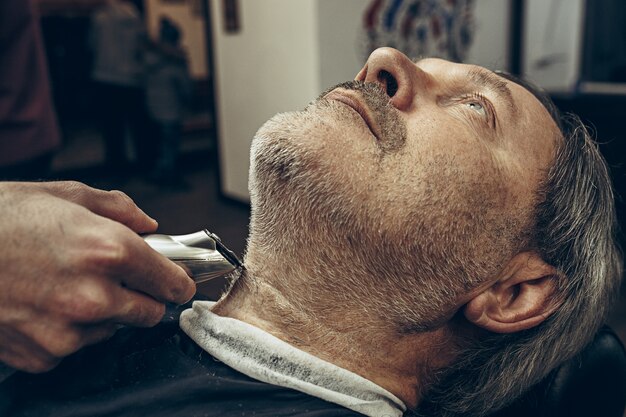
(389, 205)
(73, 268)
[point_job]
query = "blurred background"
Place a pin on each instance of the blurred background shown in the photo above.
(161, 98)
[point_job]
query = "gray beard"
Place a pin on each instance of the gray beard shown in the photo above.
(332, 247)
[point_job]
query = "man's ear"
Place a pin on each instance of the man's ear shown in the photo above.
(522, 297)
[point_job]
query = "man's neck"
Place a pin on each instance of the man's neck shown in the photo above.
(399, 363)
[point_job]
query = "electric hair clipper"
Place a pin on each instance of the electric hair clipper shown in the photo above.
(202, 253)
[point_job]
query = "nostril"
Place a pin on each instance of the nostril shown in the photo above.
(389, 81)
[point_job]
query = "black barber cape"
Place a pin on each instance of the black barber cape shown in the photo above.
(152, 372)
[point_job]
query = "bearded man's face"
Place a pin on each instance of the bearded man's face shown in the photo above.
(419, 178)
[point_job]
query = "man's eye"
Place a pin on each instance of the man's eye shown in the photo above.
(477, 107)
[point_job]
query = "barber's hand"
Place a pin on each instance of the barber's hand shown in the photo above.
(73, 268)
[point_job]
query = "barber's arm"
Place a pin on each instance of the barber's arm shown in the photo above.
(73, 268)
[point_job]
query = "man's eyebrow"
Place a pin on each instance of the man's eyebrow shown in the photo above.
(482, 77)
(492, 81)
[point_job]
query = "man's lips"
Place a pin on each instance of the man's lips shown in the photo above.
(352, 100)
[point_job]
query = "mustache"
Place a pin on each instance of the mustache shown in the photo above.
(392, 127)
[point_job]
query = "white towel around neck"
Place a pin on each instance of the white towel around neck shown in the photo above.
(266, 358)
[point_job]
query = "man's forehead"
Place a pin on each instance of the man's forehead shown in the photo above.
(539, 106)
(540, 95)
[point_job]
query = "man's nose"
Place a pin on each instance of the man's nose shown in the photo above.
(396, 73)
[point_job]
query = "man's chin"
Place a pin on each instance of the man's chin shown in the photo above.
(274, 152)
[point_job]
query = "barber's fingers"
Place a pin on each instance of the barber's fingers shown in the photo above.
(160, 278)
(141, 268)
(118, 206)
(136, 309)
(112, 251)
(114, 205)
(138, 266)
(106, 263)
(94, 300)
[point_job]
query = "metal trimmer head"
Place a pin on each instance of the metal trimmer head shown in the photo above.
(202, 253)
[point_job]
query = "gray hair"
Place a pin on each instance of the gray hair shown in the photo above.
(575, 233)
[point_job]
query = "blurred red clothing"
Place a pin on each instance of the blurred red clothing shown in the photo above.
(28, 126)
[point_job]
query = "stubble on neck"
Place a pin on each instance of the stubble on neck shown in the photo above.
(404, 364)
